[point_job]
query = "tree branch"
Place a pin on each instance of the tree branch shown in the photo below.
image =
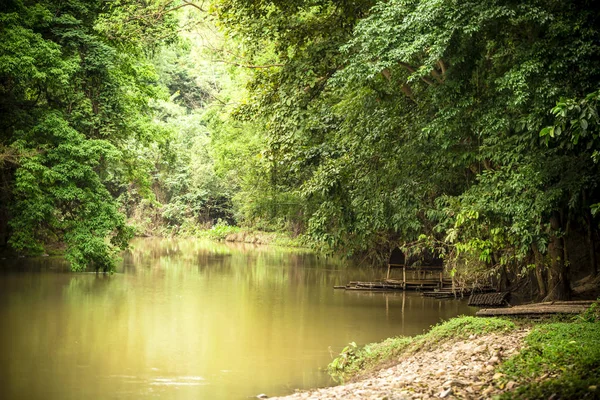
(442, 66)
(250, 66)
(185, 4)
(413, 70)
(437, 76)
(408, 92)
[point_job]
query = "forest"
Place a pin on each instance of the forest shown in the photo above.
(468, 129)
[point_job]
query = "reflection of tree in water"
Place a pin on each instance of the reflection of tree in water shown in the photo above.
(91, 289)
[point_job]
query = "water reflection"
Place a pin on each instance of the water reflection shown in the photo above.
(187, 319)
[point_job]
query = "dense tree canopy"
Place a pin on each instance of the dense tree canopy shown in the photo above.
(466, 128)
(424, 123)
(72, 96)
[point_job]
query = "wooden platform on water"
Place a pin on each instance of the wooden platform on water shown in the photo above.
(497, 299)
(447, 292)
(425, 275)
(539, 309)
(389, 285)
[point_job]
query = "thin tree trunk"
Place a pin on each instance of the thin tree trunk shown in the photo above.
(558, 285)
(566, 222)
(590, 235)
(540, 275)
(503, 283)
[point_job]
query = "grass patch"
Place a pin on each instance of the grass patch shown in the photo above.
(222, 231)
(219, 231)
(560, 358)
(355, 362)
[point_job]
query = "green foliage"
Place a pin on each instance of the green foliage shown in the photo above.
(386, 120)
(354, 361)
(592, 314)
(73, 100)
(566, 353)
(463, 327)
(359, 126)
(220, 231)
(57, 189)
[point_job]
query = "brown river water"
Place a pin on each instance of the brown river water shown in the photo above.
(191, 319)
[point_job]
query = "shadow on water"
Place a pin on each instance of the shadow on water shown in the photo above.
(188, 319)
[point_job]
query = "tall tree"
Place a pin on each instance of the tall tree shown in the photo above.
(72, 94)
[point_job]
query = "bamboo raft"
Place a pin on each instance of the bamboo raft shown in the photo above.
(426, 277)
(389, 285)
(447, 292)
(539, 309)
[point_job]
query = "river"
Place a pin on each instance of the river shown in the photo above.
(191, 319)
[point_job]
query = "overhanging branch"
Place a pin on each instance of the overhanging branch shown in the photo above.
(249, 65)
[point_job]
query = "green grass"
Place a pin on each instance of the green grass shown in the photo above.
(237, 234)
(561, 358)
(222, 231)
(354, 362)
(218, 232)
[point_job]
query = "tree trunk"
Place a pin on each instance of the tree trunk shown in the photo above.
(558, 283)
(592, 245)
(503, 282)
(540, 274)
(590, 235)
(566, 222)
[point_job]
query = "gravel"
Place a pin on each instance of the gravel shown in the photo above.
(462, 369)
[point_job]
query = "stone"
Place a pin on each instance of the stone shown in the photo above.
(262, 396)
(480, 348)
(497, 375)
(446, 393)
(510, 385)
(494, 360)
(454, 382)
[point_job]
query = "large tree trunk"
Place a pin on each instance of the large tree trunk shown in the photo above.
(558, 282)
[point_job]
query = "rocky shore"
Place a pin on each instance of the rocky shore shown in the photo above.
(464, 369)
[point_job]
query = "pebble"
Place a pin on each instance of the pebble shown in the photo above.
(487, 391)
(480, 349)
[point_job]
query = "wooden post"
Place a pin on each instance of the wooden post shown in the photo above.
(388, 273)
(404, 276)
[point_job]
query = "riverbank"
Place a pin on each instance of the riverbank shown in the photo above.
(475, 358)
(219, 232)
